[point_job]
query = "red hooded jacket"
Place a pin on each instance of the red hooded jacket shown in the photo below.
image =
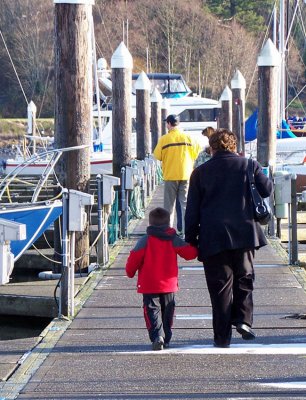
(155, 259)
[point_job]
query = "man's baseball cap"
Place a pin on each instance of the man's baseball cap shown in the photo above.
(172, 119)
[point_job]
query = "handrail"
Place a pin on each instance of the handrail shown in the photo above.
(53, 155)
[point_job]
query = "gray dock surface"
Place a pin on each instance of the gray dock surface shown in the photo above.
(104, 353)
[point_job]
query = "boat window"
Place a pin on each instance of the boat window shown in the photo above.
(160, 84)
(177, 85)
(197, 115)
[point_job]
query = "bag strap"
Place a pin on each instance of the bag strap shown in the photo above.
(255, 195)
(250, 171)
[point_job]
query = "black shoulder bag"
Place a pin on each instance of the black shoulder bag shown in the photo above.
(262, 210)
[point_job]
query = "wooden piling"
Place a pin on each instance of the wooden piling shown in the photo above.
(238, 109)
(143, 113)
(164, 114)
(225, 117)
(121, 64)
(73, 101)
(268, 68)
(156, 121)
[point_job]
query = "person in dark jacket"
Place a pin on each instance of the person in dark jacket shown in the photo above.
(220, 221)
(155, 259)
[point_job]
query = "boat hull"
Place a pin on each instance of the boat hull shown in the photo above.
(98, 165)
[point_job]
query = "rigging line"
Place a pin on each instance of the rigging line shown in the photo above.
(302, 21)
(45, 91)
(262, 44)
(103, 23)
(291, 25)
(298, 50)
(13, 67)
(297, 95)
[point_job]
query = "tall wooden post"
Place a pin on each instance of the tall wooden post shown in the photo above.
(156, 122)
(143, 113)
(164, 114)
(73, 101)
(225, 118)
(121, 64)
(238, 109)
(268, 68)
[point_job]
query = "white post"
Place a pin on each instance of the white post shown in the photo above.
(32, 124)
(122, 65)
(268, 62)
(238, 86)
(156, 123)
(143, 113)
(225, 119)
(164, 112)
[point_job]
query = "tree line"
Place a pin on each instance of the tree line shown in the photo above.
(206, 41)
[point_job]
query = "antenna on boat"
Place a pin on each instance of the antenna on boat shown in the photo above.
(274, 24)
(147, 55)
(199, 77)
(125, 32)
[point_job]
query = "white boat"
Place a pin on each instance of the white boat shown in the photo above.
(100, 163)
(195, 112)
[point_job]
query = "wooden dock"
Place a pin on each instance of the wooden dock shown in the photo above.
(105, 351)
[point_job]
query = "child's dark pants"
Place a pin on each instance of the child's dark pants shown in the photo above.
(158, 311)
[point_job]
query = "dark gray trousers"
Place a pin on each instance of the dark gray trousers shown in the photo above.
(158, 309)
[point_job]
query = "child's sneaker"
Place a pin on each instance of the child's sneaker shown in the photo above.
(158, 343)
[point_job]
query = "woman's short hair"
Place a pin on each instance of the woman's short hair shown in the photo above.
(159, 216)
(223, 139)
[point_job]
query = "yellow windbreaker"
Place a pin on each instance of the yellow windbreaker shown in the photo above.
(177, 152)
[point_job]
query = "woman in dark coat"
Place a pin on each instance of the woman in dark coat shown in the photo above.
(220, 221)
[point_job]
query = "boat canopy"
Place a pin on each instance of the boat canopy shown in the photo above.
(168, 85)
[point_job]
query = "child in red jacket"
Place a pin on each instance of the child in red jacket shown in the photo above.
(155, 259)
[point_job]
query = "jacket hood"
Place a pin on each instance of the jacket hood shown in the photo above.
(163, 232)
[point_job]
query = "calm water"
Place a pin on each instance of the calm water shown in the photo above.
(19, 327)
(14, 327)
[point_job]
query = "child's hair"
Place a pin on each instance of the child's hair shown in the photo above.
(159, 216)
(208, 131)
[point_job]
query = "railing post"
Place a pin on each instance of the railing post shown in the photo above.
(124, 206)
(100, 257)
(294, 240)
(64, 301)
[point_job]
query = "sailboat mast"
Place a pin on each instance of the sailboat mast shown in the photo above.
(96, 81)
(282, 50)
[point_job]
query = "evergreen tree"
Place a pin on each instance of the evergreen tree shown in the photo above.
(252, 14)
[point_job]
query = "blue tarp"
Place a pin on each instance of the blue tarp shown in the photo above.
(37, 219)
(251, 129)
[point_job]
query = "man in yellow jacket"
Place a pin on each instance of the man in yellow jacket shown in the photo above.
(177, 152)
